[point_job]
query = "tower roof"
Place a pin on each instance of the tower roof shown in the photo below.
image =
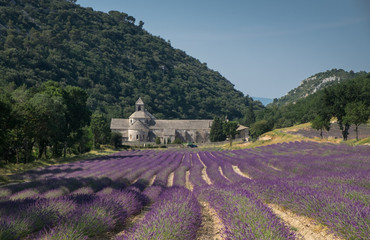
(139, 101)
(140, 114)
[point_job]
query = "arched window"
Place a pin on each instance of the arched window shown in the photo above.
(137, 136)
(139, 108)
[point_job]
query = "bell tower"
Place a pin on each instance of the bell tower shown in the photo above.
(139, 105)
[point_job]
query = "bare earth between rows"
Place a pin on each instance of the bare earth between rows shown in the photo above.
(213, 228)
(307, 228)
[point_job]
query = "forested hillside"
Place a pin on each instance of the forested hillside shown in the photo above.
(112, 57)
(317, 82)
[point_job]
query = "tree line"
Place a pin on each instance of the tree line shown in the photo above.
(349, 103)
(48, 121)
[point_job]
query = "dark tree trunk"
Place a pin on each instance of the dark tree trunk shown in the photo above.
(345, 131)
(356, 132)
(65, 149)
(29, 150)
(42, 149)
(321, 133)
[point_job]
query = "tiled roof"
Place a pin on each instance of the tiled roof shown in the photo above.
(142, 115)
(119, 123)
(241, 127)
(138, 125)
(182, 124)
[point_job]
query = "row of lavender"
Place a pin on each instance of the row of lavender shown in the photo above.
(298, 176)
(84, 199)
(88, 198)
(243, 215)
(329, 183)
(176, 215)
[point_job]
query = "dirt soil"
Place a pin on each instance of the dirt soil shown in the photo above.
(222, 173)
(132, 221)
(204, 173)
(275, 168)
(238, 171)
(188, 183)
(212, 227)
(170, 179)
(152, 180)
(307, 228)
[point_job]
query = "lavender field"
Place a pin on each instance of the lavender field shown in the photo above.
(165, 194)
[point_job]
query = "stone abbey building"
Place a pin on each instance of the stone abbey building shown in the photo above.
(144, 127)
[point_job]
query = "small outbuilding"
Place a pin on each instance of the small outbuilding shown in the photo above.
(242, 132)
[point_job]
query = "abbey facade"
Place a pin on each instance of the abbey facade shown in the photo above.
(144, 127)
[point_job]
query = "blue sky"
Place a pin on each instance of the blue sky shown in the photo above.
(265, 48)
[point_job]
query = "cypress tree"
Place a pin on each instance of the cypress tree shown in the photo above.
(217, 133)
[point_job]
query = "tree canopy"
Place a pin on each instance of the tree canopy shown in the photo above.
(46, 117)
(217, 133)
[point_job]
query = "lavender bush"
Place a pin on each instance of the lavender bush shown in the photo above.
(243, 215)
(176, 215)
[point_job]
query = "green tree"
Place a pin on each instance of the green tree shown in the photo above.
(249, 116)
(100, 129)
(217, 130)
(22, 132)
(157, 140)
(177, 141)
(47, 118)
(141, 24)
(116, 139)
(320, 123)
(230, 130)
(6, 124)
(77, 115)
(336, 99)
(85, 142)
(258, 128)
(357, 113)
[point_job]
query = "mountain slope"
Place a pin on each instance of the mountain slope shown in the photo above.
(112, 58)
(317, 82)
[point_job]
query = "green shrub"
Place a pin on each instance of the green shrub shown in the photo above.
(177, 141)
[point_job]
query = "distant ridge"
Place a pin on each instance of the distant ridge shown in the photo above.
(263, 100)
(317, 82)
